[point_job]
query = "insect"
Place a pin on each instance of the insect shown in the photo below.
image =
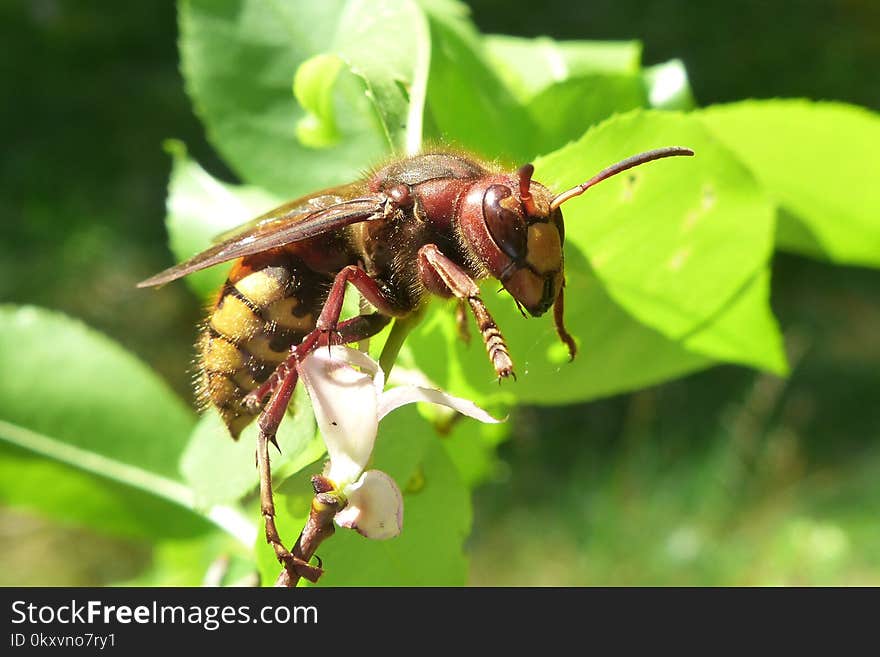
(431, 224)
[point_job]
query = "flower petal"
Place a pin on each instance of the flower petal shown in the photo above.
(361, 360)
(345, 403)
(375, 507)
(397, 397)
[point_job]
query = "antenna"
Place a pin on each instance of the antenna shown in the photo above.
(613, 170)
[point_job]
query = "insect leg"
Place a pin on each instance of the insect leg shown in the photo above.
(285, 379)
(559, 322)
(268, 424)
(362, 327)
(351, 330)
(462, 286)
(369, 289)
(328, 330)
(461, 321)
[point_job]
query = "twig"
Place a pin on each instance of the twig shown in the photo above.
(326, 504)
(399, 330)
(318, 528)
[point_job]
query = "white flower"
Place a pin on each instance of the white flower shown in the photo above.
(348, 404)
(375, 506)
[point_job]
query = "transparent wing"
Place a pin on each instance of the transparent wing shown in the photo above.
(292, 222)
(302, 206)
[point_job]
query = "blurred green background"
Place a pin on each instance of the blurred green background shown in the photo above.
(726, 477)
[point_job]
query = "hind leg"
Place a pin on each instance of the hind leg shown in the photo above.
(352, 330)
(268, 424)
(281, 389)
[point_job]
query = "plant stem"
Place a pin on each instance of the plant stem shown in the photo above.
(399, 330)
(318, 528)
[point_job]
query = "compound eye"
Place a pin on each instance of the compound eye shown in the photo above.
(505, 226)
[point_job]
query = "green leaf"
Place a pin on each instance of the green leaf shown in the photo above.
(468, 104)
(563, 111)
(617, 353)
(472, 447)
(638, 320)
(531, 65)
(37, 481)
(819, 162)
(394, 70)
(79, 388)
(673, 240)
(313, 89)
(239, 58)
(81, 400)
(221, 470)
(745, 331)
(200, 208)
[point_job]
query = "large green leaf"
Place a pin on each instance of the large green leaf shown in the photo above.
(563, 111)
(41, 481)
(819, 162)
(394, 70)
(531, 65)
(79, 399)
(675, 280)
(437, 517)
(674, 240)
(239, 58)
(221, 470)
(469, 105)
(617, 353)
(79, 388)
(745, 331)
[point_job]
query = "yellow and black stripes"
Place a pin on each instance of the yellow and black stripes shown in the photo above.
(257, 319)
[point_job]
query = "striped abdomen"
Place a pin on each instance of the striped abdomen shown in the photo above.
(260, 313)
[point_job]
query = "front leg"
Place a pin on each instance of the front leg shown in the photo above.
(442, 276)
